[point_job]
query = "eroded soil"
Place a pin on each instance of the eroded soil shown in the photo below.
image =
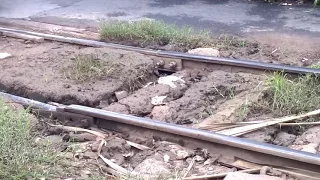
(197, 99)
(38, 71)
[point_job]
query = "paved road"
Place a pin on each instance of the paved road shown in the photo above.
(221, 16)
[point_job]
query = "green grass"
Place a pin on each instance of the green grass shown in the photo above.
(147, 32)
(20, 158)
(86, 67)
(294, 96)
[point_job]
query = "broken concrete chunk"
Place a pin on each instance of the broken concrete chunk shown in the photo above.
(171, 81)
(284, 139)
(205, 51)
(4, 55)
(158, 100)
(121, 95)
(245, 176)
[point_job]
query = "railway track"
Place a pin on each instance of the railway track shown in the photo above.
(232, 147)
(304, 164)
(173, 61)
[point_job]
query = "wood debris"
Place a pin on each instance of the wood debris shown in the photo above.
(238, 131)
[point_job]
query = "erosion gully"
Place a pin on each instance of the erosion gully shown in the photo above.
(170, 94)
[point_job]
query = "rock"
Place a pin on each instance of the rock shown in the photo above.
(245, 176)
(205, 51)
(152, 166)
(121, 95)
(161, 113)
(53, 139)
(179, 151)
(4, 55)
(171, 81)
(158, 100)
(68, 155)
(284, 139)
(181, 154)
(90, 155)
(198, 158)
(166, 158)
(37, 140)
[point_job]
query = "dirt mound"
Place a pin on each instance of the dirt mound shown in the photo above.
(41, 72)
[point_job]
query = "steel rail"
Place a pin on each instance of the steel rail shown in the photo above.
(177, 55)
(198, 134)
(289, 157)
(27, 102)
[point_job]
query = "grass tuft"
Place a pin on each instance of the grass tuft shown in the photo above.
(20, 158)
(146, 32)
(294, 96)
(86, 67)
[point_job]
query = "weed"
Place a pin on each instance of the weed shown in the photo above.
(243, 111)
(294, 96)
(85, 67)
(19, 157)
(315, 66)
(225, 42)
(146, 32)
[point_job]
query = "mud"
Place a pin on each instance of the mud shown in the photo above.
(190, 103)
(163, 159)
(38, 71)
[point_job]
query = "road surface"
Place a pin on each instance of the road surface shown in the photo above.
(221, 16)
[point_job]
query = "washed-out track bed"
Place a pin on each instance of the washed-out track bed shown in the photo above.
(129, 83)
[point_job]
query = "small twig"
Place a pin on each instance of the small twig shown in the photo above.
(114, 165)
(299, 124)
(189, 167)
(102, 143)
(77, 129)
(274, 51)
(238, 131)
(138, 146)
(218, 91)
